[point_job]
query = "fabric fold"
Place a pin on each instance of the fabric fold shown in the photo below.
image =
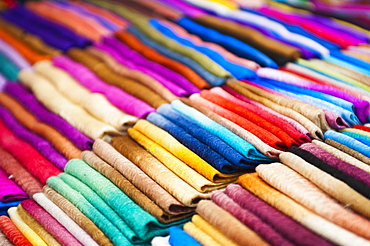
(249, 219)
(10, 191)
(158, 172)
(171, 144)
(189, 175)
(36, 227)
(60, 142)
(145, 228)
(128, 85)
(76, 215)
(331, 185)
(96, 104)
(73, 228)
(30, 234)
(139, 178)
(60, 105)
(119, 98)
(19, 174)
(30, 102)
(308, 195)
(282, 223)
(330, 231)
(130, 190)
(243, 147)
(228, 225)
(313, 129)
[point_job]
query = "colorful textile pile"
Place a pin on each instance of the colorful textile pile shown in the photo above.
(207, 122)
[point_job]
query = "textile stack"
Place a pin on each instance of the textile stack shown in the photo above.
(184, 122)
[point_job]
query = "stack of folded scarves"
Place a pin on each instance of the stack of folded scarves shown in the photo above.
(186, 149)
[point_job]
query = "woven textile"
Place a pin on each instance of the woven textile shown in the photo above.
(160, 241)
(348, 150)
(32, 160)
(352, 182)
(31, 236)
(262, 108)
(250, 36)
(14, 57)
(167, 77)
(198, 234)
(113, 47)
(158, 172)
(10, 191)
(203, 151)
(66, 38)
(282, 123)
(180, 238)
(313, 129)
(225, 149)
(141, 23)
(314, 114)
(210, 78)
(88, 210)
(30, 102)
(4, 240)
(98, 203)
(12, 232)
(361, 106)
(130, 190)
(9, 70)
(228, 225)
(19, 174)
(145, 228)
(235, 69)
(304, 216)
(155, 56)
(29, 137)
(76, 215)
(139, 178)
(230, 57)
(234, 45)
(242, 122)
(132, 72)
(105, 73)
(96, 104)
(249, 219)
(172, 145)
(280, 222)
(193, 178)
(60, 105)
(243, 147)
(32, 41)
(211, 231)
(343, 156)
(247, 114)
(332, 186)
(36, 226)
(91, 81)
(60, 142)
(54, 12)
(61, 217)
(337, 163)
(313, 198)
(30, 55)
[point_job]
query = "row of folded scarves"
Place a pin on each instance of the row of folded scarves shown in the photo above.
(287, 35)
(352, 11)
(158, 120)
(164, 76)
(115, 198)
(165, 178)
